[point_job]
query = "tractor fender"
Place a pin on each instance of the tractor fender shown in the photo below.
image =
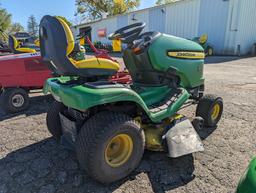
(81, 97)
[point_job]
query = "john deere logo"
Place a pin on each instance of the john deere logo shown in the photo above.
(186, 55)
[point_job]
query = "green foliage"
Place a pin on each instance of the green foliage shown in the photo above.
(5, 22)
(5, 19)
(161, 2)
(15, 27)
(3, 37)
(65, 19)
(96, 9)
(33, 26)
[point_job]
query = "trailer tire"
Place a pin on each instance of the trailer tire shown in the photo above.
(14, 100)
(210, 108)
(109, 146)
(53, 119)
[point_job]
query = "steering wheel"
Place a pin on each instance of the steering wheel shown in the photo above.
(144, 40)
(128, 33)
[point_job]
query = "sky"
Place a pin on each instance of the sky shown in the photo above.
(22, 9)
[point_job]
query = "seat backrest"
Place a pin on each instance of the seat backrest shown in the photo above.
(37, 42)
(13, 43)
(203, 38)
(56, 44)
(53, 45)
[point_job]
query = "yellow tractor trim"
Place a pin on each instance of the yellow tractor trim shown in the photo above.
(153, 138)
(95, 63)
(118, 150)
(117, 45)
(215, 111)
(186, 54)
(69, 35)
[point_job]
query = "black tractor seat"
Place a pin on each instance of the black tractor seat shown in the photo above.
(57, 44)
(16, 48)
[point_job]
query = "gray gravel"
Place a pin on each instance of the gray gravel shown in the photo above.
(31, 161)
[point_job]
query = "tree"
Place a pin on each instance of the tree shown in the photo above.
(161, 2)
(78, 19)
(5, 19)
(32, 26)
(5, 22)
(95, 9)
(65, 19)
(15, 27)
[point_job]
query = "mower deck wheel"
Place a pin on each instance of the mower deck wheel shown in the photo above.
(210, 108)
(14, 100)
(198, 123)
(109, 146)
(53, 119)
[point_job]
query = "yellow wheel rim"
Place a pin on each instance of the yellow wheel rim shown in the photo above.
(215, 111)
(118, 150)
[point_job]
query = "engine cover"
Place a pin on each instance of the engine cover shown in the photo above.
(185, 56)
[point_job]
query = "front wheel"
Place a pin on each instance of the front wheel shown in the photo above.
(14, 100)
(110, 146)
(210, 108)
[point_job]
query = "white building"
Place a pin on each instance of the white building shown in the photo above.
(230, 24)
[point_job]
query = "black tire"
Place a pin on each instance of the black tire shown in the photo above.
(209, 51)
(198, 123)
(14, 100)
(53, 119)
(92, 142)
(205, 109)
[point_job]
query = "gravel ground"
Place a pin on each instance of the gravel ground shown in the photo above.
(31, 161)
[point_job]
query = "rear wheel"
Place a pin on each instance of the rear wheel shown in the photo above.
(110, 146)
(53, 119)
(210, 108)
(210, 51)
(14, 100)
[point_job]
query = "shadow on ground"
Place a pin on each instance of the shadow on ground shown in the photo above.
(220, 59)
(46, 166)
(38, 105)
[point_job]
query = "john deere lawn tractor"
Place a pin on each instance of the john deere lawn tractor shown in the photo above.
(247, 183)
(109, 124)
(203, 41)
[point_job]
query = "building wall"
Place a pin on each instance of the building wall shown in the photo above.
(213, 21)
(140, 16)
(246, 34)
(157, 19)
(228, 23)
(182, 19)
(110, 25)
(122, 21)
(232, 27)
(241, 27)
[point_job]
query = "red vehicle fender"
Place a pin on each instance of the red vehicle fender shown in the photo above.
(23, 70)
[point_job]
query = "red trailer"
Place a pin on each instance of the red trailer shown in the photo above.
(19, 74)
